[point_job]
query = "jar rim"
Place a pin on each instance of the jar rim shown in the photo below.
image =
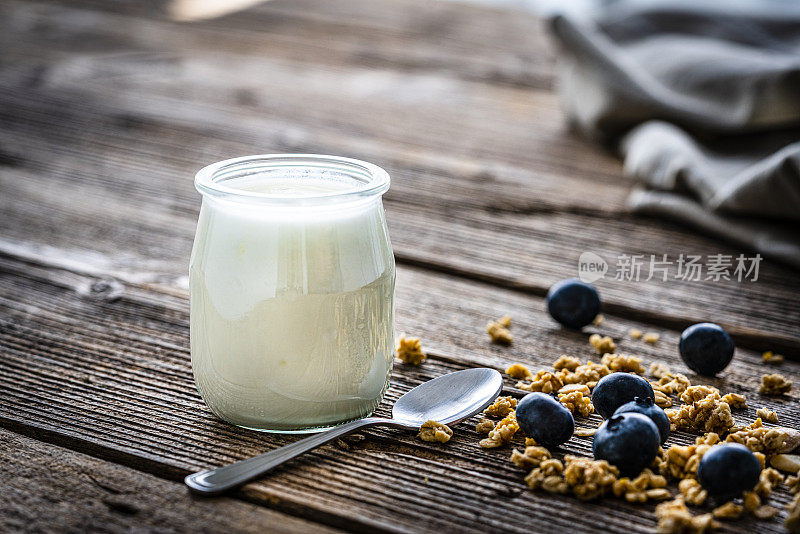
(210, 180)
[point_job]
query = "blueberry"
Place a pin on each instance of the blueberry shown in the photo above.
(629, 441)
(728, 470)
(573, 303)
(545, 419)
(647, 406)
(616, 389)
(706, 348)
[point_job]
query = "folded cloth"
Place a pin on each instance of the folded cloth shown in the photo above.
(703, 102)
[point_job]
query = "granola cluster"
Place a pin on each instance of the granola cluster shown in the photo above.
(692, 492)
(602, 344)
(651, 337)
(589, 479)
(759, 438)
(669, 383)
(622, 363)
(774, 384)
(548, 475)
(502, 433)
(498, 331)
(662, 399)
(682, 461)
(544, 381)
(767, 415)
(519, 371)
(707, 412)
(769, 357)
(501, 407)
(530, 458)
(735, 401)
(570, 363)
(587, 374)
(675, 518)
(729, 510)
(484, 426)
(646, 487)
(659, 370)
(435, 431)
(409, 350)
(576, 402)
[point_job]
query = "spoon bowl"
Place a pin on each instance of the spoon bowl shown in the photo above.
(448, 399)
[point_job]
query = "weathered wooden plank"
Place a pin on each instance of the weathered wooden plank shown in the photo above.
(485, 227)
(135, 125)
(108, 371)
(52, 489)
(473, 43)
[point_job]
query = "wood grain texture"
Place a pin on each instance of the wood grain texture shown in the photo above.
(52, 489)
(108, 109)
(101, 366)
(513, 199)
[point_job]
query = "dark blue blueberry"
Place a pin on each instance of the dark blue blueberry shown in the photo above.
(629, 441)
(728, 470)
(706, 348)
(616, 389)
(647, 406)
(573, 303)
(544, 419)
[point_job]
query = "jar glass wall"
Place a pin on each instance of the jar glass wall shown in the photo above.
(292, 291)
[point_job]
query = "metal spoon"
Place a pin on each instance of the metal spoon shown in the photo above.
(448, 399)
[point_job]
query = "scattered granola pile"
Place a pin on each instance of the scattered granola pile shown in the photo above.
(409, 350)
(774, 384)
(702, 409)
(435, 431)
(498, 330)
(587, 479)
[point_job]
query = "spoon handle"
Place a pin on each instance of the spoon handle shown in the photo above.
(215, 481)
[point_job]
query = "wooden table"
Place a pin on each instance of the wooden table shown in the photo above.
(107, 110)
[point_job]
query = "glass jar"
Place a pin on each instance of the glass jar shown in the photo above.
(292, 291)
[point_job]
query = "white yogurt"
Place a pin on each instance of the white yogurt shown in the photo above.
(292, 317)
